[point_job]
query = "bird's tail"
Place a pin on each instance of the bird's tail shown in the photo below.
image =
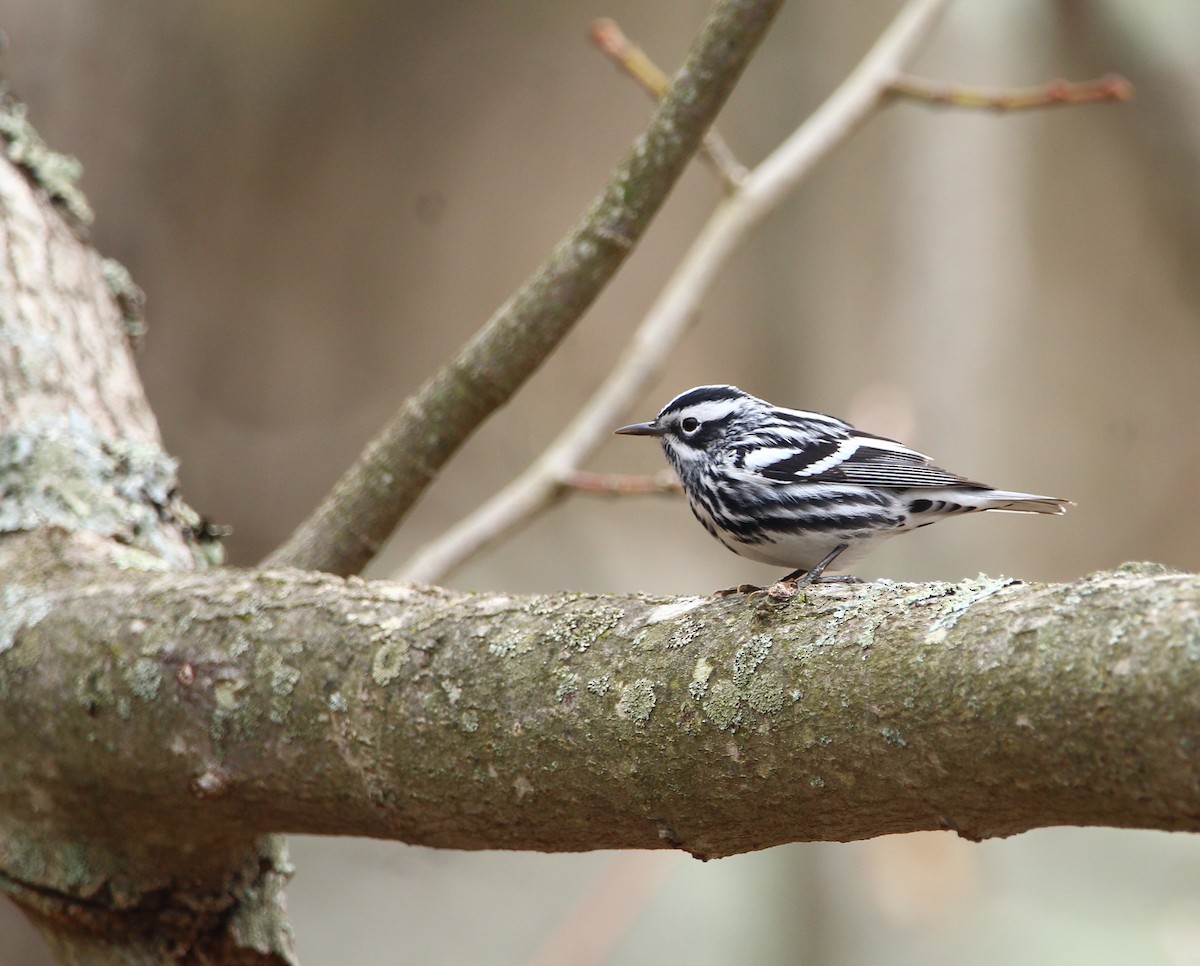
(1017, 502)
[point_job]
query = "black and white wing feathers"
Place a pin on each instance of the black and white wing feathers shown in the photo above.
(830, 451)
(824, 450)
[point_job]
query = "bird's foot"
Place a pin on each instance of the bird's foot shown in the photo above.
(789, 587)
(784, 590)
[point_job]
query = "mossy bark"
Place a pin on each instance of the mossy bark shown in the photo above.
(89, 490)
(223, 705)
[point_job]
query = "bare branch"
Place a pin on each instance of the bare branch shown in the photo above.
(620, 484)
(1111, 87)
(237, 703)
(607, 35)
(347, 529)
(737, 215)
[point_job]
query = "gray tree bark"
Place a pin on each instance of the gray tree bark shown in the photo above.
(229, 704)
(89, 491)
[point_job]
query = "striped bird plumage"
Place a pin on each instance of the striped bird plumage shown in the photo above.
(788, 487)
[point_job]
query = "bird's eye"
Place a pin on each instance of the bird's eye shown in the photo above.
(689, 424)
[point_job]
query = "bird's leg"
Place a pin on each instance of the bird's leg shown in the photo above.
(802, 577)
(788, 586)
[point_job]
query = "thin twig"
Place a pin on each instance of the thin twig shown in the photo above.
(732, 221)
(607, 35)
(352, 522)
(1111, 87)
(622, 484)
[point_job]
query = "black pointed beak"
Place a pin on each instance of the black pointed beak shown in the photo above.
(641, 429)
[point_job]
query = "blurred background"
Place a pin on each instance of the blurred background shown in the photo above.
(323, 198)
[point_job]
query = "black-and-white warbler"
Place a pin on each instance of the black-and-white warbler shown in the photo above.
(802, 489)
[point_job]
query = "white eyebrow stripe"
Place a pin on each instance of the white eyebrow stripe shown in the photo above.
(710, 410)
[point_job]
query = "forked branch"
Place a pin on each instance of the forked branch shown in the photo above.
(352, 522)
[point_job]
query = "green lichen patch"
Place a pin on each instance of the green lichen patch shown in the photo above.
(130, 298)
(930, 591)
(1140, 568)
(568, 685)
(686, 632)
(680, 630)
(144, 678)
(388, 662)
(723, 706)
(62, 471)
(20, 610)
(453, 690)
(599, 686)
(749, 657)
(872, 623)
(698, 686)
(508, 646)
(579, 630)
(764, 698)
(57, 174)
(240, 645)
(964, 595)
(226, 694)
(637, 701)
(93, 692)
(284, 679)
(725, 700)
(542, 605)
(835, 626)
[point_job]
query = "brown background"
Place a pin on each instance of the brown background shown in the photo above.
(323, 198)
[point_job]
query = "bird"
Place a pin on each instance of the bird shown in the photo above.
(804, 490)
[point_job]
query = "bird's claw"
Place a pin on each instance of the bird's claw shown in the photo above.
(788, 587)
(739, 589)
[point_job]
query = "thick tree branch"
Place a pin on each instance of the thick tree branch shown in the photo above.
(350, 525)
(220, 705)
(607, 35)
(79, 446)
(81, 464)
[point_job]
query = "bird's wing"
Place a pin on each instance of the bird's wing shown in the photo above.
(842, 454)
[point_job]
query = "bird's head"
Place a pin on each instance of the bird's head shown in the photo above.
(698, 421)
